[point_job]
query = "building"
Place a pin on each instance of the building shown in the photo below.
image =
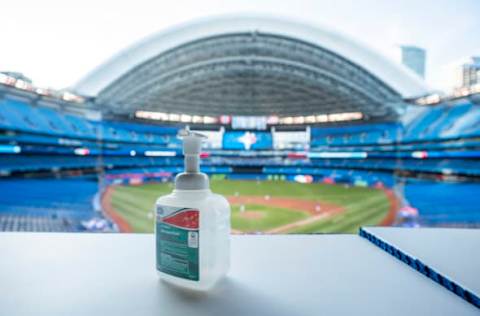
(470, 72)
(414, 58)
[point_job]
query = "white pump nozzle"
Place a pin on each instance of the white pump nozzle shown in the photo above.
(192, 146)
(192, 142)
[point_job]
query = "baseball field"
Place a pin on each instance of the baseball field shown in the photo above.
(266, 206)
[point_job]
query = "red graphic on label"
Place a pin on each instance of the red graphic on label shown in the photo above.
(185, 219)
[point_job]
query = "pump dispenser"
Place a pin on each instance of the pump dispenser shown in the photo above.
(192, 226)
(192, 178)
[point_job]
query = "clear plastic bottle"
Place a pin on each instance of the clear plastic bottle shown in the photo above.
(192, 226)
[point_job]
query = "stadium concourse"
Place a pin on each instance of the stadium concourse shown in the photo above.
(309, 131)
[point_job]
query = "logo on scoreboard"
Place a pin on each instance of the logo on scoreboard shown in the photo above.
(248, 139)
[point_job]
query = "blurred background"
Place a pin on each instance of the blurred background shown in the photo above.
(321, 116)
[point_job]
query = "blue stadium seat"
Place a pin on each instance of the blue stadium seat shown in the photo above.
(450, 115)
(418, 128)
(46, 204)
(438, 202)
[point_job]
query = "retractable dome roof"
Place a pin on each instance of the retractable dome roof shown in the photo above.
(250, 66)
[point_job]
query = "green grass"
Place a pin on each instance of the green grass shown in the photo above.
(367, 211)
(363, 206)
(135, 203)
(271, 217)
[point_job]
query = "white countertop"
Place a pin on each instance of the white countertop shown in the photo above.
(114, 274)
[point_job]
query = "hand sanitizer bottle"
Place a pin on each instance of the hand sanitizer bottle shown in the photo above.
(192, 226)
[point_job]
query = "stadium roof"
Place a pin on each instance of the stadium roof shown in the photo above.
(250, 66)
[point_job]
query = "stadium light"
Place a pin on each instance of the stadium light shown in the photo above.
(159, 153)
(273, 119)
(299, 120)
(9, 149)
(225, 119)
(197, 119)
(3, 78)
(23, 85)
(185, 118)
(81, 151)
(466, 91)
(152, 115)
(321, 118)
(347, 116)
(209, 120)
(70, 97)
(429, 99)
(419, 154)
(43, 91)
(286, 120)
(173, 117)
(327, 155)
(6, 79)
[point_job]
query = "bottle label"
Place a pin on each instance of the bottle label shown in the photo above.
(178, 241)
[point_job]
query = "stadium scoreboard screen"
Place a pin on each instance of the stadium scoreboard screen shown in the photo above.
(249, 122)
(252, 139)
(291, 140)
(247, 140)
